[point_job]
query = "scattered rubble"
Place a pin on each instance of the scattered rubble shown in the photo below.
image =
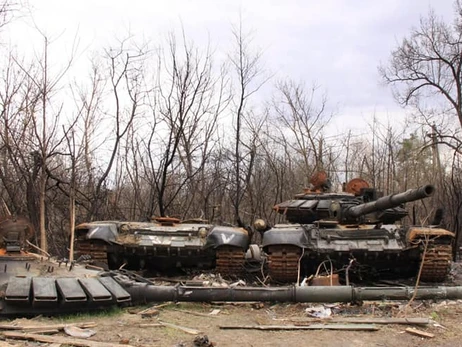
(202, 341)
(319, 311)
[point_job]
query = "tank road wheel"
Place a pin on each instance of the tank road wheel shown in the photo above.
(283, 262)
(230, 260)
(437, 263)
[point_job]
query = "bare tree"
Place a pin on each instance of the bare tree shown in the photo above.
(8, 11)
(125, 67)
(425, 71)
(249, 77)
(15, 89)
(301, 116)
(188, 98)
(43, 116)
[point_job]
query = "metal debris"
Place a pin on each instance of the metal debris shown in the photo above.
(202, 341)
(319, 312)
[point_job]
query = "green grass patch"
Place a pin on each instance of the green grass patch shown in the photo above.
(89, 315)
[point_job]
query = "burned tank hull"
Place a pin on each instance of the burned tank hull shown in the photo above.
(356, 236)
(359, 254)
(163, 244)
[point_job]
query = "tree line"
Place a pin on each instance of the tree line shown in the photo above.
(179, 130)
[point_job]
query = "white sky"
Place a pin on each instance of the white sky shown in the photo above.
(336, 43)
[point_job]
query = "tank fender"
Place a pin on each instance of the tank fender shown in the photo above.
(227, 236)
(95, 231)
(285, 235)
(416, 232)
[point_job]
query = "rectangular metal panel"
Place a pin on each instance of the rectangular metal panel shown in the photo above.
(324, 204)
(118, 292)
(95, 290)
(18, 290)
(44, 290)
(70, 290)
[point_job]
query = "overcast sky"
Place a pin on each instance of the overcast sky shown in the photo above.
(336, 43)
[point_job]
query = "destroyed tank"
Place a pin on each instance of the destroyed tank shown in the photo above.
(163, 244)
(15, 232)
(354, 234)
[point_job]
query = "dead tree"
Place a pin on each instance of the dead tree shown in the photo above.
(425, 71)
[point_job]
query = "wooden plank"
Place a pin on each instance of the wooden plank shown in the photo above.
(360, 320)
(366, 327)
(71, 341)
(420, 333)
(413, 321)
(200, 314)
(151, 325)
(45, 331)
(45, 327)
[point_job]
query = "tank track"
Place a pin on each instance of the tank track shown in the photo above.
(283, 263)
(437, 263)
(230, 260)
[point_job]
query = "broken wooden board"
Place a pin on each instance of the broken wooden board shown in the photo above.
(363, 327)
(149, 312)
(420, 333)
(71, 341)
(84, 325)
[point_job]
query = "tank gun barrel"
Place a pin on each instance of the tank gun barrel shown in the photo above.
(392, 200)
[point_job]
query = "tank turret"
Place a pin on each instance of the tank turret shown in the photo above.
(350, 208)
(358, 230)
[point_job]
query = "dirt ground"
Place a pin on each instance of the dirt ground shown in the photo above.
(128, 326)
(125, 325)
